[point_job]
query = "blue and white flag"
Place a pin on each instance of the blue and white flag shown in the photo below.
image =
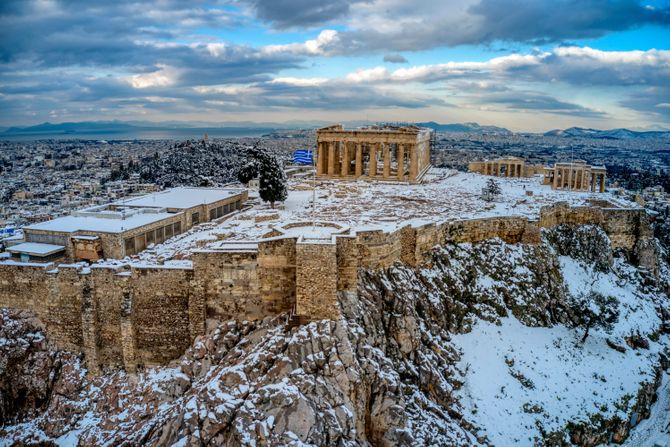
(303, 157)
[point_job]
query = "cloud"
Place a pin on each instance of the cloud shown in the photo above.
(395, 59)
(541, 22)
(534, 101)
(395, 25)
(652, 101)
(573, 65)
(283, 14)
(324, 44)
(163, 77)
(124, 58)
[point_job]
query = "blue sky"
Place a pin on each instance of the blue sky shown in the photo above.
(528, 65)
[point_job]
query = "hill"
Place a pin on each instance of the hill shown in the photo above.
(580, 132)
(465, 128)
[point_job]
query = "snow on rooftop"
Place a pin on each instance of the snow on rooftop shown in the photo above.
(35, 248)
(181, 198)
(70, 224)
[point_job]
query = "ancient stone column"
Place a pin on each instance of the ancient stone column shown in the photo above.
(359, 159)
(413, 163)
(570, 178)
(373, 159)
(593, 182)
(401, 162)
(602, 182)
(319, 159)
(386, 150)
(578, 179)
(331, 158)
(346, 160)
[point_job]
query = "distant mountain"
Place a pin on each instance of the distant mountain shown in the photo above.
(606, 134)
(112, 127)
(466, 128)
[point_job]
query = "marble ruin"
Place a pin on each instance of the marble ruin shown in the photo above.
(375, 153)
(505, 167)
(570, 176)
(576, 176)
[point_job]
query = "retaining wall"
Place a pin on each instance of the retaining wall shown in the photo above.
(147, 316)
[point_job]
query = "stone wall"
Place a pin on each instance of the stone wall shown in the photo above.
(24, 286)
(625, 227)
(229, 282)
(316, 280)
(276, 274)
(146, 316)
(160, 314)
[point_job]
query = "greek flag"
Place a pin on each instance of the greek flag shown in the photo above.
(302, 157)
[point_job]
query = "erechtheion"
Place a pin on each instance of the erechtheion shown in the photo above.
(576, 176)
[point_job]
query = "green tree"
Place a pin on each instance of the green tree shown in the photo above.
(272, 180)
(248, 172)
(593, 309)
(491, 191)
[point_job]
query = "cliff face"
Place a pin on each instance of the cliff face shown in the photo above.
(474, 346)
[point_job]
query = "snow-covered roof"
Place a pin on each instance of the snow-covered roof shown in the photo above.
(85, 238)
(70, 224)
(36, 249)
(181, 198)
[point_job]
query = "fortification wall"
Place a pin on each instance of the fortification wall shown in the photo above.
(624, 226)
(229, 283)
(109, 286)
(276, 274)
(316, 276)
(509, 229)
(24, 286)
(147, 316)
(378, 249)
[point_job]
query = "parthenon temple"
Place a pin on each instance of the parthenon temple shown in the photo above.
(576, 176)
(375, 153)
(505, 167)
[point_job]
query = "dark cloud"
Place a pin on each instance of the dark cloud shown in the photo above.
(423, 25)
(540, 102)
(539, 21)
(653, 101)
(395, 59)
(283, 14)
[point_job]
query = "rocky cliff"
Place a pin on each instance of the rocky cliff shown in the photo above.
(478, 345)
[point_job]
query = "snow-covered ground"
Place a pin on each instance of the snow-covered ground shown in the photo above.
(654, 431)
(520, 378)
(362, 205)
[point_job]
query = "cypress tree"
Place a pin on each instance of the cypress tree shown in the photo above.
(272, 179)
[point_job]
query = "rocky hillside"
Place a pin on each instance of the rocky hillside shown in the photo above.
(481, 345)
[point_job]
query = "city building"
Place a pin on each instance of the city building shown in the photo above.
(374, 153)
(127, 226)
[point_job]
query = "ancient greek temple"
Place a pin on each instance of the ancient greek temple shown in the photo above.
(505, 167)
(576, 176)
(375, 153)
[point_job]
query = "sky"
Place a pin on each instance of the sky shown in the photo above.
(528, 65)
